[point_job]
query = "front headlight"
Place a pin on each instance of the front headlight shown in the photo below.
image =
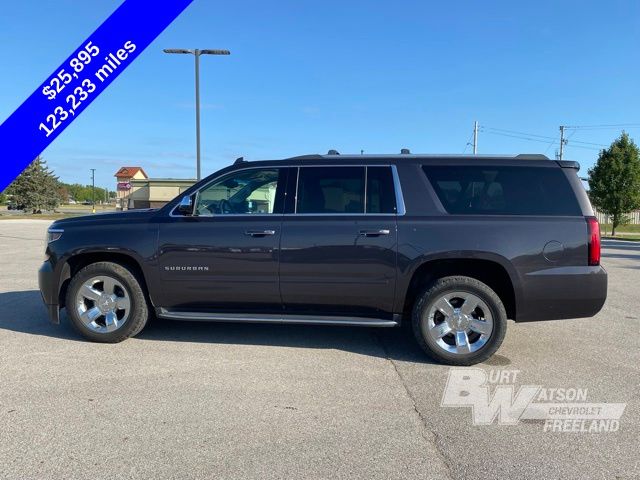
(54, 234)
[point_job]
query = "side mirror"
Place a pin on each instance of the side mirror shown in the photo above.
(185, 207)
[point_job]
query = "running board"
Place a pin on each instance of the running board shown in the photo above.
(278, 318)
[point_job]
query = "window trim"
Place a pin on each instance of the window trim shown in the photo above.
(220, 177)
(400, 205)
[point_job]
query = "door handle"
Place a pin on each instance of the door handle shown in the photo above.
(374, 233)
(259, 233)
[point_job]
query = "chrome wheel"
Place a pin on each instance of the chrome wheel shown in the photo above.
(103, 304)
(459, 322)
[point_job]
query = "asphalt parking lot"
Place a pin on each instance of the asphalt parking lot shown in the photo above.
(188, 400)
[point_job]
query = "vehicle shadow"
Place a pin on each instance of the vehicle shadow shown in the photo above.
(24, 312)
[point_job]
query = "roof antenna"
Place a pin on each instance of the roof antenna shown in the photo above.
(333, 152)
(239, 160)
(405, 151)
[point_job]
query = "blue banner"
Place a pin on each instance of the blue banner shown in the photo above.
(80, 79)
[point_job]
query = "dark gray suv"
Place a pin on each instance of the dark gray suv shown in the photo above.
(454, 245)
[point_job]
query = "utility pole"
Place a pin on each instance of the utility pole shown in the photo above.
(475, 137)
(562, 142)
(93, 190)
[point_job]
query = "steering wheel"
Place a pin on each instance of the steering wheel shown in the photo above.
(225, 206)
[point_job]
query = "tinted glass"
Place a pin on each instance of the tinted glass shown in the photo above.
(503, 190)
(331, 190)
(381, 197)
(244, 192)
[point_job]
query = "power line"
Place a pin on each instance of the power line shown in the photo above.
(549, 146)
(546, 137)
(521, 137)
(530, 139)
(519, 133)
(467, 144)
(596, 127)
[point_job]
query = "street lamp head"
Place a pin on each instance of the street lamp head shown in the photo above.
(197, 52)
(177, 50)
(215, 52)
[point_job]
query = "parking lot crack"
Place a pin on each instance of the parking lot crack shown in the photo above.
(427, 434)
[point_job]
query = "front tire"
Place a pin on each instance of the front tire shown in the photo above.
(459, 320)
(105, 303)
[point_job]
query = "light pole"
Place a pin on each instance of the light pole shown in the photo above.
(196, 53)
(93, 190)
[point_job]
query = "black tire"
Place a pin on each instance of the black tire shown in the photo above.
(138, 314)
(434, 292)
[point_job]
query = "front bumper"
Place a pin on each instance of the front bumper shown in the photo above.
(49, 291)
(562, 292)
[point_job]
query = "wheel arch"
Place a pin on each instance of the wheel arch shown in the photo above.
(76, 262)
(489, 270)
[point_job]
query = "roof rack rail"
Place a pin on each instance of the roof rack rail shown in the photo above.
(532, 156)
(311, 156)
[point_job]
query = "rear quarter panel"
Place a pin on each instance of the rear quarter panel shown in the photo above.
(545, 256)
(516, 243)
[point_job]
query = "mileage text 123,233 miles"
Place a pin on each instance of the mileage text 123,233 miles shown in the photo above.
(80, 93)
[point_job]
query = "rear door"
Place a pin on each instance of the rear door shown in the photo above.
(338, 246)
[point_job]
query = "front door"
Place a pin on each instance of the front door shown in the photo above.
(224, 257)
(339, 243)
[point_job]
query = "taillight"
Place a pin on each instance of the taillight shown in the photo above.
(594, 241)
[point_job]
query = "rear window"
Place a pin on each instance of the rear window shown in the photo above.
(496, 190)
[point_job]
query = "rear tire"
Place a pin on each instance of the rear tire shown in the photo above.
(459, 320)
(105, 303)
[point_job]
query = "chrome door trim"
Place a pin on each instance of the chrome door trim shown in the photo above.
(400, 207)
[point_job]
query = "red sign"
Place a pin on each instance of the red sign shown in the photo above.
(124, 186)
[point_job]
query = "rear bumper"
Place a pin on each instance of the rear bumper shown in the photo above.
(562, 292)
(49, 291)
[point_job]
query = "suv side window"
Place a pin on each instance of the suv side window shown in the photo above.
(503, 190)
(335, 190)
(252, 191)
(381, 195)
(330, 190)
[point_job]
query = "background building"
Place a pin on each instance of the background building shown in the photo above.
(124, 176)
(155, 192)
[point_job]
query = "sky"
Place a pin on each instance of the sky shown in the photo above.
(308, 76)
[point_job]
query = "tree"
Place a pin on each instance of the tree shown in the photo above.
(614, 181)
(63, 193)
(36, 188)
(84, 193)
